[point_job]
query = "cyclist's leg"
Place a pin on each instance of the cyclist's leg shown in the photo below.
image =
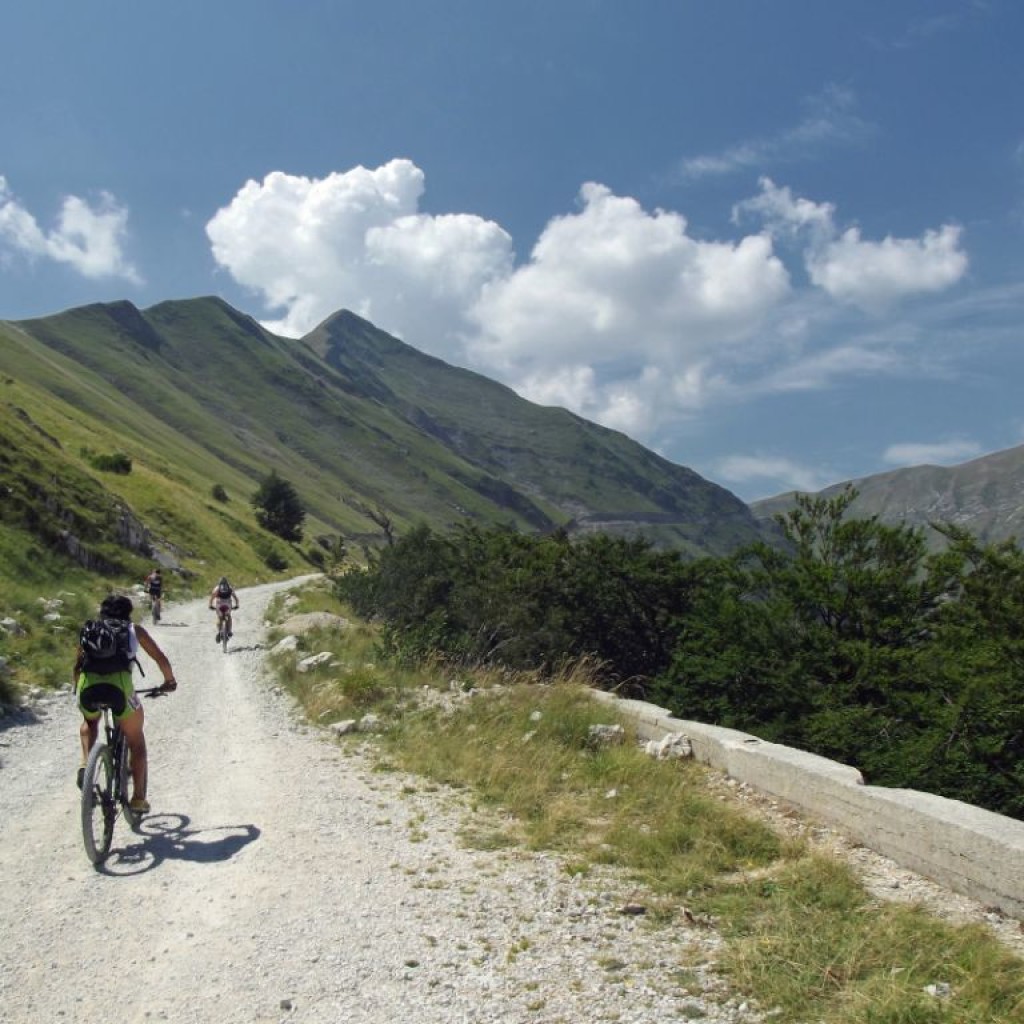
(87, 731)
(96, 691)
(132, 725)
(89, 728)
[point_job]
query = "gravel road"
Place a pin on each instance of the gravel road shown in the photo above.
(279, 878)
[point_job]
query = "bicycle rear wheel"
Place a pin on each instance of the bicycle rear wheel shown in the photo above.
(121, 791)
(98, 806)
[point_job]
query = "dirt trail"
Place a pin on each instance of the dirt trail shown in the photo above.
(280, 878)
(188, 901)
(218, 909)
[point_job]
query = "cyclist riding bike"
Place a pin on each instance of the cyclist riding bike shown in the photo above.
(96, 687)
(223, 600)
(154, 586)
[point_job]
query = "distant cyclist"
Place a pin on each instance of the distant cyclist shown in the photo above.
(116, 688)
(153, 584)
(223, 600)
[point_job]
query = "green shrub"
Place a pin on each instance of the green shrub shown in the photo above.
(276, 561)
(278, 507)
(114, 462)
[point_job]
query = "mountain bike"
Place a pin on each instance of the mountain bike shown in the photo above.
(106, 785)
(224, 624)
(156, 601)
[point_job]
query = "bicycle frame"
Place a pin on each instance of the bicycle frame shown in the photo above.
(105, 785)
(224, 623)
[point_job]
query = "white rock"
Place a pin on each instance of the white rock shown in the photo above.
(674, 745)
(314, 661)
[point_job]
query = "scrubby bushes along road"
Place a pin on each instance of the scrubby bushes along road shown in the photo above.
(850, 640)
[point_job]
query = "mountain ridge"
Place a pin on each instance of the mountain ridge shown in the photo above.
(984, 495)
(199, 394)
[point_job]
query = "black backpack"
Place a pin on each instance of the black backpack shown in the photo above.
(106, 646)
(224, 590)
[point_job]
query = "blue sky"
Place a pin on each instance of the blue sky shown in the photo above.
(777, 242)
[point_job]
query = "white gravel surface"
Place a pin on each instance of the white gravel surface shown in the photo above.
(280, 879)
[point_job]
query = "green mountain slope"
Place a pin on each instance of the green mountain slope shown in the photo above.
(571, 470)
(984, 496)
(198, 395)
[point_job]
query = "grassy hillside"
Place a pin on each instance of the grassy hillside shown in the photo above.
(56, 420)
(573, 471)
(362, 425)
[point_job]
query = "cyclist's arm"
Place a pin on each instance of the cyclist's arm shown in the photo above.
(76, 671)
(149, 645)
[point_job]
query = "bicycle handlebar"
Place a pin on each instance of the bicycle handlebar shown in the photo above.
(154, 691)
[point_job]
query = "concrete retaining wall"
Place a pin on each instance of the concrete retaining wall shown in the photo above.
(965, 848)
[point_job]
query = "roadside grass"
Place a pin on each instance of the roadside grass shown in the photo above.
(39, 651)
(808, 939)
(355, 681)
(803, 937)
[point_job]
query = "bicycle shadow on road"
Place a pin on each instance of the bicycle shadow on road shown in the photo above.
(166, 837)
(233, 649)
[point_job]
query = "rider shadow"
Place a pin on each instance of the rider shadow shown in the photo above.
(238, 648)
(168, 837)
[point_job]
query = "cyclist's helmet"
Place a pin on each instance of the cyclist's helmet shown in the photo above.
(223, 582)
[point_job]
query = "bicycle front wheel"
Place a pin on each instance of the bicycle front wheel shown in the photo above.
(98, 806)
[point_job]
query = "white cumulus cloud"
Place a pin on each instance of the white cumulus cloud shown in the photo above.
(357, 240)
(87, 237)
(872, 274)
(851, 269)
(620, 313)
(634, 297)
